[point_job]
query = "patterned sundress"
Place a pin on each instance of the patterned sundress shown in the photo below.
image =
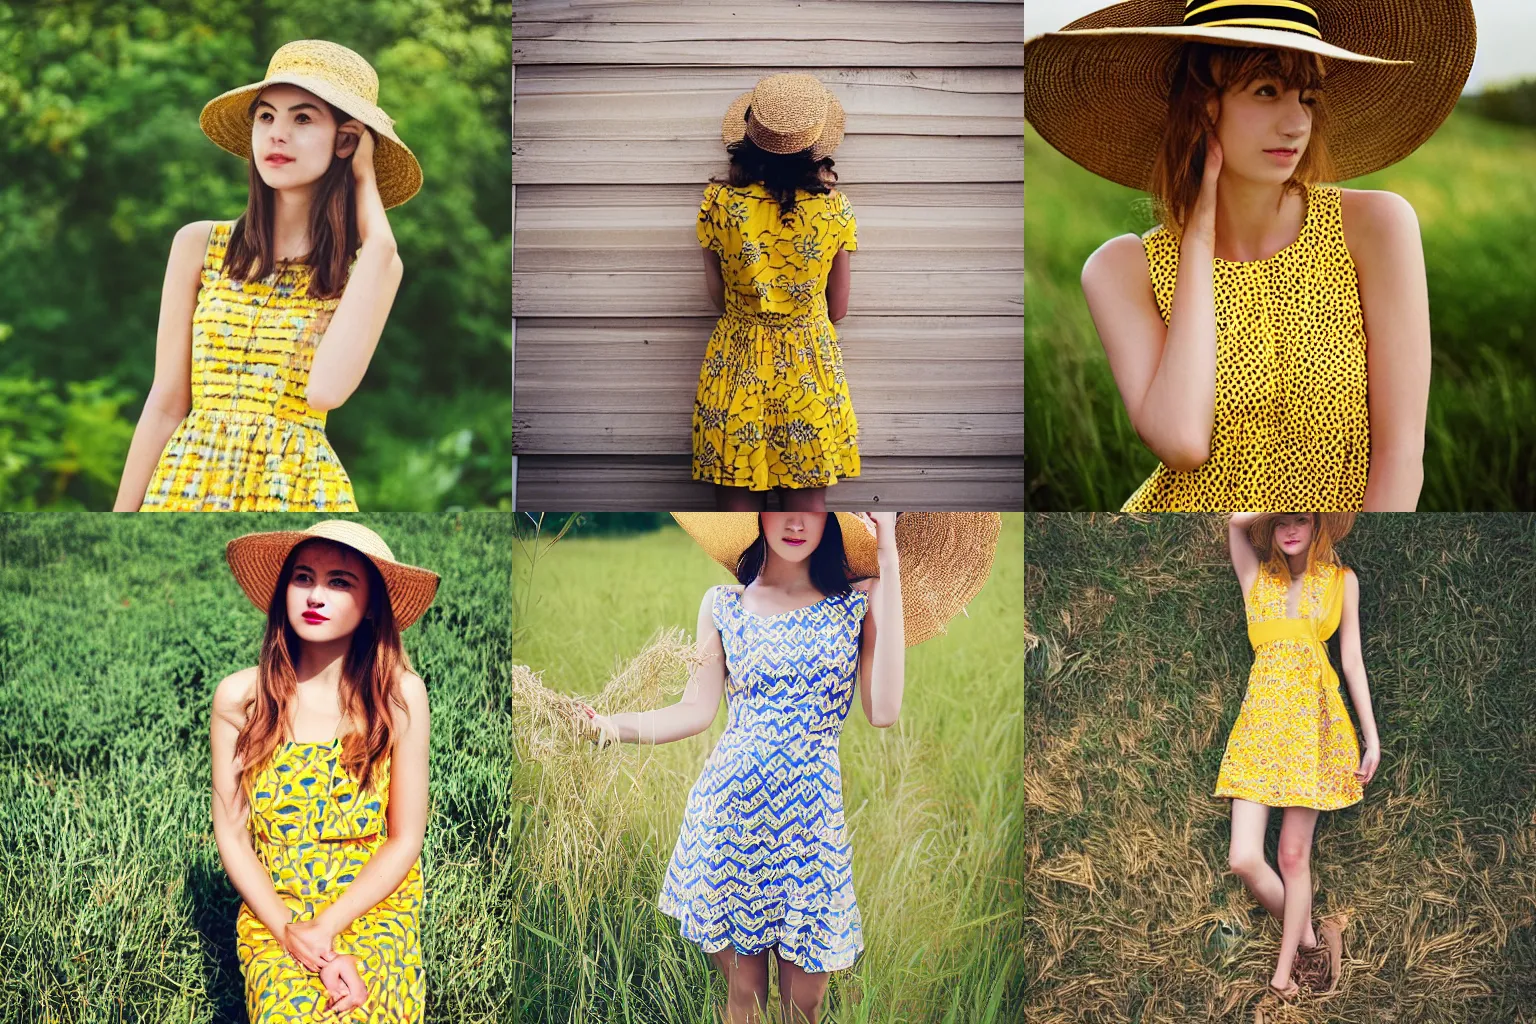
(772, 407)
(314, 829)
(1293, 744)
(251, 442)
(763, 858)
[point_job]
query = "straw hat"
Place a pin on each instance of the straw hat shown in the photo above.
(1098, 89)
(257, 560)
(1261, 530)
(340, 77)
(945, 556)
(786, 114)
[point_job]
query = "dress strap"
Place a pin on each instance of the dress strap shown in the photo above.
(218, 244)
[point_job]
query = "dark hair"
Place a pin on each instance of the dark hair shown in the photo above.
(780, 173)
(333, 236)
(829, 562)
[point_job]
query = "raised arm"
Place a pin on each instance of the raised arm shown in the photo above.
(170, 396)
(693, 713)
(883, 647)
(349, 342)
(1244, 560)
(1354, 676)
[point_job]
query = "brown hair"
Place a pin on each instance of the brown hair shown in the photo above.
(1202, 71)
(1320, 551)
(370, 681)
(333, 236)
(780, 173)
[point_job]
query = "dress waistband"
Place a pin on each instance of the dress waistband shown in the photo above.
(247, 412)
(267, 840)
(744, 315)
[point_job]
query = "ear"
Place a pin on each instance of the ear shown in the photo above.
(346, 138)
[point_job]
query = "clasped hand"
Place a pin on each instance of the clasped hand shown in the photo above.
(310, 944)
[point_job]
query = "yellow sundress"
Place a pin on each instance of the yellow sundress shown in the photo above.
(1292, 430)
(772, 407)
(1293, 744)
(251, 442)
(314, 829)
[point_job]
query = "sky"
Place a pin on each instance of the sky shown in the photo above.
(1506, 34)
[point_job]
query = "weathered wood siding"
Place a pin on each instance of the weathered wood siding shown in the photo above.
(616, 128)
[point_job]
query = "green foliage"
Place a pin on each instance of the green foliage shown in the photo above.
(932, 808)
(103, 160)
(114, 631)
(61, 451)
(593, 523)
(1138, 666)
(1512, 103)
(1475, 195)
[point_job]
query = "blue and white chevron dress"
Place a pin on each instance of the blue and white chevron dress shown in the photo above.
(763, 857)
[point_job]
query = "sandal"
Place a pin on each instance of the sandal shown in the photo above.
(1333, 941)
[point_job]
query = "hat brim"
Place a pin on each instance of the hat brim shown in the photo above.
(1098, 90)
(1336, 524)
(256, 560)
(733, 127)
(226, 120)
(945, 557)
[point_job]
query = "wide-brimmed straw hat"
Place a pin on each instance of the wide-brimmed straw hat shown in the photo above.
(257, 561)
(343, 79)
(1098, 89)
(1261, 530)
(786, 114)
(945, 556)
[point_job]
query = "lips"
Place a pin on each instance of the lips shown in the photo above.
(1283, 154)
(314, 618)
(796, 541)
(278, 160)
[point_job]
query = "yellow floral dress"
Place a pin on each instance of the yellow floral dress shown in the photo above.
(1292, 429)
(251, 443)
(1293, 744)
(314, 829)
(772, 407)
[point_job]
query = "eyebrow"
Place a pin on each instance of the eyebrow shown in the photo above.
(333, 572)
(296, 106)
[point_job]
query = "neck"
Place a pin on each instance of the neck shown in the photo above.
(1255, 219)
(1297, 563)
(783, 574)
(290, 222)
(321, 662)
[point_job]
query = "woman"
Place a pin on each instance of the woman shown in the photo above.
(320, 779)
(269, 322)
(772, 410)
(1270, 338)
(1293, 746)
(762, 863)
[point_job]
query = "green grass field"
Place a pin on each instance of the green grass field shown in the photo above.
(932, 806)
(1138, 662)
(1476, 200)
(114, 631)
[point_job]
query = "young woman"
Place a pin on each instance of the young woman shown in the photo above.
(1270, 338)
(772, 410)
(1293, 746)
(762, 864)
(268, 322)
(320, 779)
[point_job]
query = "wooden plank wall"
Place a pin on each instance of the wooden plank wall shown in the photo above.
(616, 129)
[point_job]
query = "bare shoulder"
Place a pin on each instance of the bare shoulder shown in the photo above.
(1117, 260)
(234, 692)
(1375, 218)
(190, 243)
(413, 690)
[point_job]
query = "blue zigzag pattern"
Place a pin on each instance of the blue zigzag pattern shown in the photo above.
(763, 857)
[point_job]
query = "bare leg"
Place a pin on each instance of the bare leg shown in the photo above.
(803, 499)
(1246, 859)
(800, 992)
(739, 499)
(746, 985)
(1296, 872)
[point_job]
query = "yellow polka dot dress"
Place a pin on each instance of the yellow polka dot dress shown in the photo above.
(1292, 428)
(772, 408)
(314, 829)
(1293, 744)
(251, 442)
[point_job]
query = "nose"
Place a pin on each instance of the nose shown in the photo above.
(1297, 119)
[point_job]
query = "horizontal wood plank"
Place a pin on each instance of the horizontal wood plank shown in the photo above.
(687, 195)
(556, 79)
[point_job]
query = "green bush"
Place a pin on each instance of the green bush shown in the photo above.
(61, 450)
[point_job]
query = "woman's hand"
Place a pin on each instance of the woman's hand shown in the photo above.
(1202, 220)
(344, 985)
(371, 219)
(1368, 764)
(309, 942)
(602, 731)
(881, 526)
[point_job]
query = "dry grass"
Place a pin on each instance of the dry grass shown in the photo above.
(1137, 664)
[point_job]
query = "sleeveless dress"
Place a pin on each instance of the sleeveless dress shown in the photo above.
(1292, 428)
(314, 829)
(251, 443)
(772, 406)
(763, 858)
(1293, 744)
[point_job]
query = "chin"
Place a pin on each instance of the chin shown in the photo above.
(324, 632)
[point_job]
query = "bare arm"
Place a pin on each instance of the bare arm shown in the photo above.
(1354, 672)
(883, 648)
(713, 279)
(349, 342)
(1244, 560)
(170, 396)
(693, 713)
(1382, 233)
(837, 287)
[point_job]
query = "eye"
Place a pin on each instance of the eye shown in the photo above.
(1265, 90)
(302, 119)
(342, 582)
(301, 577)
(264, 117)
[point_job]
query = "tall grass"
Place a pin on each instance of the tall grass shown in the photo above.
(1475, 195)
(932, 803)
(114, 631)
(1139, 662)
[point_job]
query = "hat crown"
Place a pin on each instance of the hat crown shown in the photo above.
(331, 62)
(353, 535)
(1286, 15)
(789, 103)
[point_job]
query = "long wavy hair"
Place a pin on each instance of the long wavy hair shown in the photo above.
(830, 572)
(1320, 551)
(782, 174)
(1202, 71)
(370, 682)
(333, 231)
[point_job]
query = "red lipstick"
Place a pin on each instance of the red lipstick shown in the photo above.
(314, 618)
(278, 159)
(796, 541)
